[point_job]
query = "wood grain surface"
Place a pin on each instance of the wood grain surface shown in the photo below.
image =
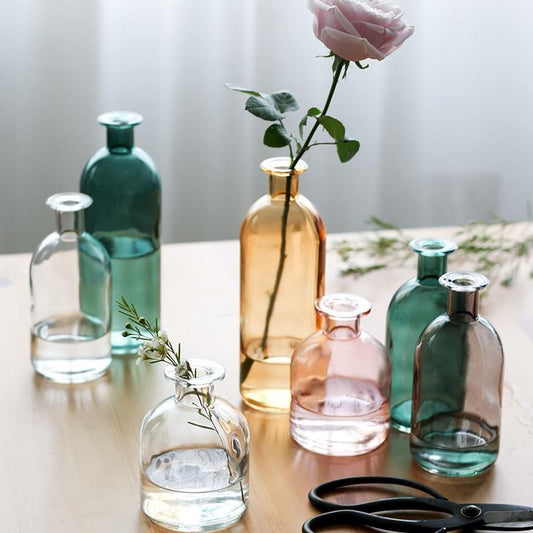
(68, 453)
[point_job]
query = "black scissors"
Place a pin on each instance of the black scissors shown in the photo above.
(459, 515)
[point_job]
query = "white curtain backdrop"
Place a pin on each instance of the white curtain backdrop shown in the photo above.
(445, 123)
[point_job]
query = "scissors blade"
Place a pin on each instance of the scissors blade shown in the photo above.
(509, 520)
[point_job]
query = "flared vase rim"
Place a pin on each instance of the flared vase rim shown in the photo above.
(432, 247)
(210, 373)
(68, 202)
(464, 281)
(120, 119)
(343, 305)
(280, 166)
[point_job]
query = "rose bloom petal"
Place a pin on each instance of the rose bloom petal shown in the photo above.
(349, 47)
(359, 29)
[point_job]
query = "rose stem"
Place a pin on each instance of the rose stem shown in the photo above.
(285, 216)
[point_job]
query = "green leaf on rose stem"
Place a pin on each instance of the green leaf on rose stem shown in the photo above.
(284, 101)
(242, 90)
(276, 136)
(312, 112)
(263, 108)
(333, 126)
(302, 125)
(346, 149)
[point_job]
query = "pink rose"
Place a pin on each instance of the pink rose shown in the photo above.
(359, 29)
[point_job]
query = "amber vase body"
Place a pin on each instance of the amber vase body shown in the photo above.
(277, 302)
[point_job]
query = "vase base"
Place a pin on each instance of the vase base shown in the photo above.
(189, 491)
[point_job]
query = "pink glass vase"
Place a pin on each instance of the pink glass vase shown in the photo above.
(340, 383)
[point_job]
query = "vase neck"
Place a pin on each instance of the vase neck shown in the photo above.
(119, 125)
(281, 176)
(120, 139)
(69, 209)
(432, 258)
(194, 397)
(430, 268)
(279, 183)
(463, 302)
(340, 329)
(342, 314)
(463, 292)
(196, 391)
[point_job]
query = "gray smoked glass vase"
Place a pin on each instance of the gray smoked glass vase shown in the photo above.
(414, 305)
(125, 217)
(458, 385)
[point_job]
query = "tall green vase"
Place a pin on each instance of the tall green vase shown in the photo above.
(416, 303)
(125, 217)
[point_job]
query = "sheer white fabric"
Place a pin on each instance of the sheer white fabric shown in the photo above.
(444, 122)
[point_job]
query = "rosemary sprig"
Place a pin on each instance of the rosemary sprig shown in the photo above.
(157, 348)
(497, 249)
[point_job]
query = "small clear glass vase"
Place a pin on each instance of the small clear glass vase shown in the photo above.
(458, 385)
(282, 254)
(70, 286)
(340, 383)
(124, 184)
(414, 305)
(194, 455)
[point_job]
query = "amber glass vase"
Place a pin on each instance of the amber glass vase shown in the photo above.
(283, 246)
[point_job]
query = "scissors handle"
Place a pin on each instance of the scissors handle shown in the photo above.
(351, 517)
(315, 495)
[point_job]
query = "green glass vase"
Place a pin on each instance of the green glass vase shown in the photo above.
(458, 385)
(125, 217)
(416, 303)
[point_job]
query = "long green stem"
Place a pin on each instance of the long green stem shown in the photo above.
(285, 215)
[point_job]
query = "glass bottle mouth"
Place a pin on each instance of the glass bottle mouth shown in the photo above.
(65, 202)
(343, 306)
(432, 247)
(280, 166)
(120, 119)
(463, 281)
(207, 373)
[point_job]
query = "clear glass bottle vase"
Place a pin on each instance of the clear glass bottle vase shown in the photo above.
(125, 217)
(70, 286)
(414, 305)
(458, 385)
(194, 450)
(340, 383)
(283, 246)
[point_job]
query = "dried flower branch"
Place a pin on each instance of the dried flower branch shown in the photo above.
(497, 249)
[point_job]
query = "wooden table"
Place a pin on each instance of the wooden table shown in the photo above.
(68, 454)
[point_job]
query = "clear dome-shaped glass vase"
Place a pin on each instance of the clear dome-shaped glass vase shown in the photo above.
(124, 184)
(458, 385)
(283, 247)
(340, 383)
(70, 286)
(194, 455)
(414, 305)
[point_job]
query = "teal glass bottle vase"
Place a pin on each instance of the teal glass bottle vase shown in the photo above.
(414, 305)
(125, 217)
(457, 385)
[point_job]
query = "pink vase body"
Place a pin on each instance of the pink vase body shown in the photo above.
(340, 383)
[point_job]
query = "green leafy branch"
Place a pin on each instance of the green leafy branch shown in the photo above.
(497, 249)
(157, 348)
